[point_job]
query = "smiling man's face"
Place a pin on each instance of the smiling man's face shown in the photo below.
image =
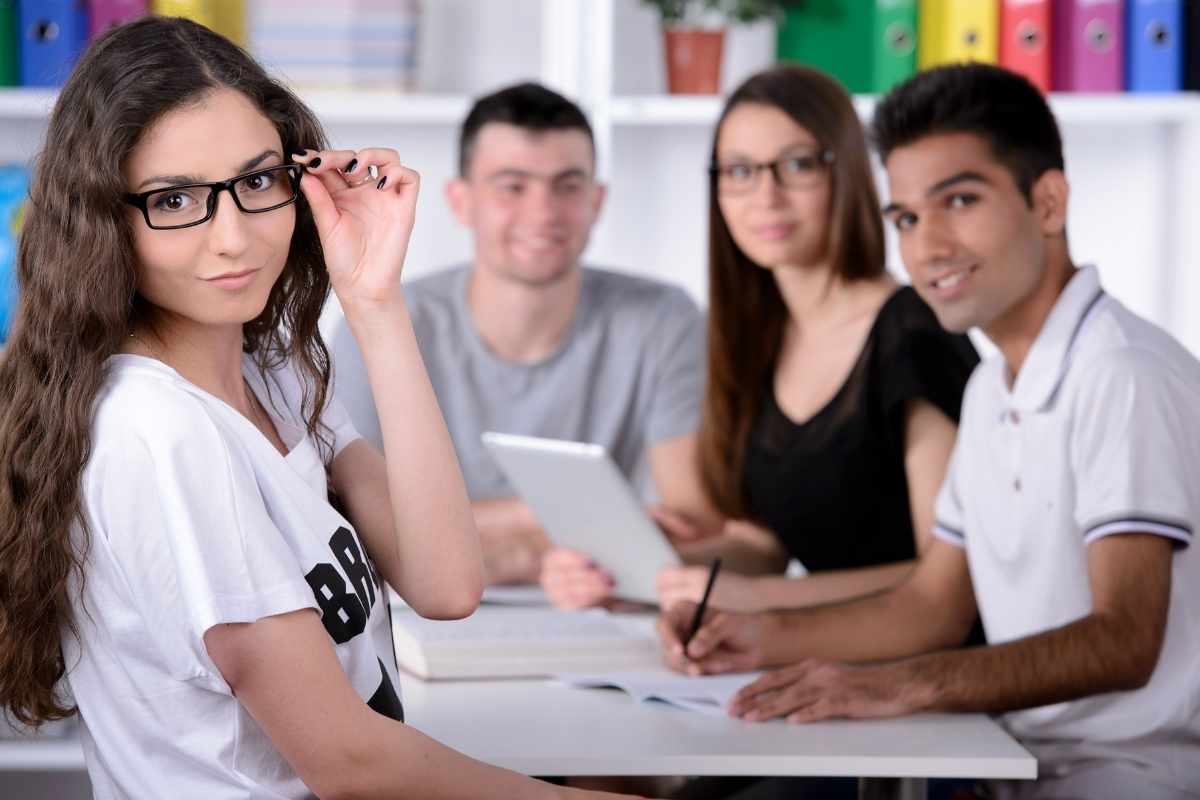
(973, 245)
(530, 200)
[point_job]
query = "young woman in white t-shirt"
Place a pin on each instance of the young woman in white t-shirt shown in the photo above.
(193, 540)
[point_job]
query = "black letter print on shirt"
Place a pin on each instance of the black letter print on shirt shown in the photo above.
(345, 549)
(344, 609)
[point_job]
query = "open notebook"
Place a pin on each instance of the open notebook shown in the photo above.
(522, 641)
(708, 694)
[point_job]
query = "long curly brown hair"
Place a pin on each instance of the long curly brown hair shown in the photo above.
(746, 313)
(78, 301)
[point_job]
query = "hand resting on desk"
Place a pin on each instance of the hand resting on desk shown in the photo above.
(807, 691)
(813, 690)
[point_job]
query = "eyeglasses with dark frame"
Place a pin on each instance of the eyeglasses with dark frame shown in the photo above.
(174, 207)
(795, 170)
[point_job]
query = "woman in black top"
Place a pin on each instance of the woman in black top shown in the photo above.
(805, 481)
(833, 394)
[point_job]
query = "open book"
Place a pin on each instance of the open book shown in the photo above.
(522, 641)
(708, 694)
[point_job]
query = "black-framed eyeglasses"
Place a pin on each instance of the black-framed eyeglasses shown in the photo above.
(195, 203)
(795, 170)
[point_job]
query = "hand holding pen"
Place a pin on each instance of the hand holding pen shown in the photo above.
(698, 617)
(700, 641)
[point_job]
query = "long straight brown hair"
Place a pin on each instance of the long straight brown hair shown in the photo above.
(746, 313)
(78, 301)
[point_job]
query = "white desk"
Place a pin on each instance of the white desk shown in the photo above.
(542, 728)
(539, 727)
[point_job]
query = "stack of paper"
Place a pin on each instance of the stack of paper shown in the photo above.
(317, 44)
(522, 641)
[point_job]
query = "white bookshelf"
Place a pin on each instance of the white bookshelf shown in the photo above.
(26, 104)
(1070, 109)
(379, 107)
(331, 106)
(40, 755)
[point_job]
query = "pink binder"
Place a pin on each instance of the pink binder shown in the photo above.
(105, 14)
(1089, 45)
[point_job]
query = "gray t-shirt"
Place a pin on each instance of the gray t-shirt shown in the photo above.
(628, 374)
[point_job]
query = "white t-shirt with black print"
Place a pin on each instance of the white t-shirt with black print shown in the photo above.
(196, 520)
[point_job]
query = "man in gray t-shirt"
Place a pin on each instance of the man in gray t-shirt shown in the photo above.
(525, 340)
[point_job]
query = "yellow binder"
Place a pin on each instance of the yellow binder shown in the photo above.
(929, 33)
(226, 17)
(202, 11)
(229, 18)
(953, 31)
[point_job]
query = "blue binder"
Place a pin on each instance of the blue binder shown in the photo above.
(53, 34)
(1154, 39)
(14, 186)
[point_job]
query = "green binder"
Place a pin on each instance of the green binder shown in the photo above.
(895, 43)
(868, 45)
(8, 42)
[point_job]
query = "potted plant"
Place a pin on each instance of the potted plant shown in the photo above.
(694, 37)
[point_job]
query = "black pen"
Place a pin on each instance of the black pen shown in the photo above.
(712, 578)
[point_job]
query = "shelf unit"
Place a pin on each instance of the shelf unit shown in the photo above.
(1070, 109)
(41, 755)
(331, 106)
(26, 104)
(388, 108)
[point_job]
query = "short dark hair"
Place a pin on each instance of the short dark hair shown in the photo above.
(1003, 108)
(530, 106)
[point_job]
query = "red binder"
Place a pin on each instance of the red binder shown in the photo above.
(105, 14)
(1089, 46)
(1025, 39)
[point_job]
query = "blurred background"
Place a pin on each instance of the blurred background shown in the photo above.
(402, 73)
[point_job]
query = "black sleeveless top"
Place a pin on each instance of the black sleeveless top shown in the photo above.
(833, 489)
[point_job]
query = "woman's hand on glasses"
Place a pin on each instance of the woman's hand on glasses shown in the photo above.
(364, 203)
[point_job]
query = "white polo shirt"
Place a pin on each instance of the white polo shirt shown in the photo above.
(1100, 435)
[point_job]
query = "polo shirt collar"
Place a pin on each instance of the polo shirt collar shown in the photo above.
(1048, 359)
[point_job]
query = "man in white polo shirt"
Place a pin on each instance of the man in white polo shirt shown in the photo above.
(1072, 497)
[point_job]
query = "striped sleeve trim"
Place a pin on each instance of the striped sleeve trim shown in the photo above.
(1181, 532)
(948, 534)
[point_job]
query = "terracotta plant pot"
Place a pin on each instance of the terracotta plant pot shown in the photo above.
(693, 60)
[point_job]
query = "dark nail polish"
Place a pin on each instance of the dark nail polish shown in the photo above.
(350, 167)
(299, 153)
(316, 162)
(382, 181)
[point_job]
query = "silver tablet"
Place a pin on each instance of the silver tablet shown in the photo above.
(585, 503)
